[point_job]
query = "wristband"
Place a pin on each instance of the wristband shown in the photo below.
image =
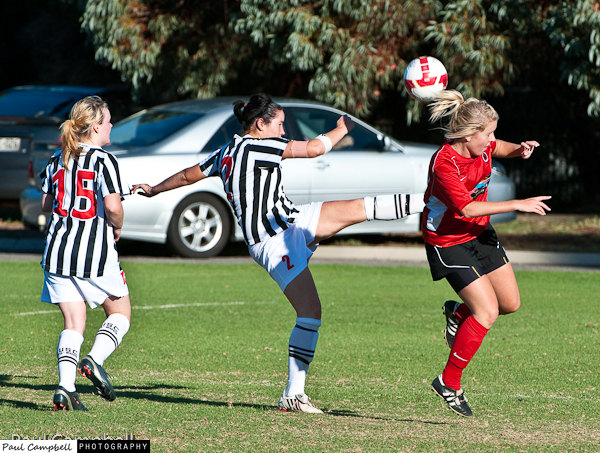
(326, 142)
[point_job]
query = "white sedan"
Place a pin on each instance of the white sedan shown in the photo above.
(197, 221)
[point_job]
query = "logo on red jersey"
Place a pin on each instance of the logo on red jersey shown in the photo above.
(481, 187)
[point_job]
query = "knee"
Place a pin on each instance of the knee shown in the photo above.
(117, 305)
(486, 316)
(490, 318)
(510, 306)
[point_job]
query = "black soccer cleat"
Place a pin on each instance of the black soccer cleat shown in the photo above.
(95, 373)
(455, 399)
(67, 401)
(452, 321)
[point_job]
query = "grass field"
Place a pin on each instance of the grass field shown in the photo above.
(206, 360)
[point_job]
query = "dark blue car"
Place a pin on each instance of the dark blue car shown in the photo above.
(29, 121)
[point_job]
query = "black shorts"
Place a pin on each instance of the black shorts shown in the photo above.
(464, 263)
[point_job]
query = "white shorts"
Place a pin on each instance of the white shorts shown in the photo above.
(94, 290)
(285, 255)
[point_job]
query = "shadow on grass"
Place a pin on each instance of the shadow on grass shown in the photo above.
(141, 392)
(26, 405)
(372, 417)
(146, 392)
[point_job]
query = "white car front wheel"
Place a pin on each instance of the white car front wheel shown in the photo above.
(200, 226)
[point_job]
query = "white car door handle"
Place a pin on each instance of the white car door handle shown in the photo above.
(322, 165)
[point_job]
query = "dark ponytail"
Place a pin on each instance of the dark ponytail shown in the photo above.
(259, 106)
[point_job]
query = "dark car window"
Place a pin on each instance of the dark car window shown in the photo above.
(149, 127)
(36, 104)
(224, 134)
(312, 122)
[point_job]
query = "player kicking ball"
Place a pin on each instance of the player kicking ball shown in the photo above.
(281, 236)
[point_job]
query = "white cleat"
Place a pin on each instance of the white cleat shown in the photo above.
(300, 403)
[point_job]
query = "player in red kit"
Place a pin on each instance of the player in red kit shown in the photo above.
(461, 244)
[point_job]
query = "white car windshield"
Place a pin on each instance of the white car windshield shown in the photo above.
(149, 127)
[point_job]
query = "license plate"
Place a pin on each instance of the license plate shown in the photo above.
(10, 144)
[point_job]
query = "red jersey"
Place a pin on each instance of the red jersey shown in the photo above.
(454, 181)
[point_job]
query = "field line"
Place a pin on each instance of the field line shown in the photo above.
(161, 307)
(199, 304)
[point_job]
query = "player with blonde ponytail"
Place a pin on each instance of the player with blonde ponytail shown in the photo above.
(82, 188)
(460, 242)
(84, 115)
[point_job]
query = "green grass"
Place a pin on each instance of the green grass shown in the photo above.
(206, 360)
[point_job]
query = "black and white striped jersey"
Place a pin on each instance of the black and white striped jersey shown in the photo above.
(250, 169)
(79, 241)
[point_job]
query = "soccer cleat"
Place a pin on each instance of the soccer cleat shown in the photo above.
(67, 401)
(455, 399)
(299, 403)
(452, 321)
(95, 373)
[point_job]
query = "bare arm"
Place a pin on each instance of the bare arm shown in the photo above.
(316, 147)
(183, 178)
(508, 149)
(46, 202)
(535, 205)
(113, 209)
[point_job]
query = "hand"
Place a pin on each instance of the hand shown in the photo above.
(143, 189)
(345, 121)
(527, 148)
(535, 205)
(117, 234)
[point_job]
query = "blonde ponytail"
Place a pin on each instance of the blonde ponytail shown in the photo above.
(460, 118)
(84, 114)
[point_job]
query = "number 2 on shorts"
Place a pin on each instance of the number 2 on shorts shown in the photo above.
(286, 259)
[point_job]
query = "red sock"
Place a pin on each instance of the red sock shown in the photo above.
(468, 339)
(462, 312)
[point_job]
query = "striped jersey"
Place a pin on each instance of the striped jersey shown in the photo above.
(80, 242)
(250, 169)
(454, 181)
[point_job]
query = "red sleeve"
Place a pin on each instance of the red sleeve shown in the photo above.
(447, 184)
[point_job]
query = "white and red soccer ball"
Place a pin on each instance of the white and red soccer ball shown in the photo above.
(424, 77)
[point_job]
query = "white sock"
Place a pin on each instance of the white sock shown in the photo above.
(67, 353)
(303, 342)
(109, 336)
(417, 203)
(392, 207)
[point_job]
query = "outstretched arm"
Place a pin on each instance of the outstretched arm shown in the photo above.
(183, 178)
(508, 149)
(321, 144)
(535, 205)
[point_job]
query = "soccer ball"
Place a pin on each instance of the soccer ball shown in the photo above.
(424, 77)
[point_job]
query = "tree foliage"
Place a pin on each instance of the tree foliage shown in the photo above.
(342, 52)
(575, 28)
